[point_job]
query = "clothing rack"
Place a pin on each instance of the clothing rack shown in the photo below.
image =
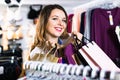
(78, 10)
(67, 69)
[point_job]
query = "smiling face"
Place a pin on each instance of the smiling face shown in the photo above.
(56, 24)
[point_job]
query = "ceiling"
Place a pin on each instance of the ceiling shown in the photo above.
(67, 4)
(62, 2)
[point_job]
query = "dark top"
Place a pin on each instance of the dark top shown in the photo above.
(103, 33)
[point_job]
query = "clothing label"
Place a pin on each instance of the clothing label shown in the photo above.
(111, 19)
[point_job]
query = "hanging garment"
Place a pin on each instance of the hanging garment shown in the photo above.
(117, 31)
(69, 27)
(46, 57)
(71, 53)
(82, 23)
(87, 24)
(103, 31)
(11, 67)
(14, 13)
(33, 14)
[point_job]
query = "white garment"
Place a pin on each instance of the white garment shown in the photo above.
(117, 31)
(13, 15)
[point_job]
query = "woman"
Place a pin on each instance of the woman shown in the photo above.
(51, 29)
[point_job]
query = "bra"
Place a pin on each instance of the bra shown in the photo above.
(14, 13)
(11, 15)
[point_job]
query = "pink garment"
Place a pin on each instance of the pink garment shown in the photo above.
(77, 19)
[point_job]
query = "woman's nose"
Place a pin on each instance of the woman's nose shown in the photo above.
(60, 22)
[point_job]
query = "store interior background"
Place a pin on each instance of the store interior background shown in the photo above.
(23, 29)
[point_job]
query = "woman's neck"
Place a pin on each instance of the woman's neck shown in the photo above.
(52, 40)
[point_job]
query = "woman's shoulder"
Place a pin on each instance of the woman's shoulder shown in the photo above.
(36, 50)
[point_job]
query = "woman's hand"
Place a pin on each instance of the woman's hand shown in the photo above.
(78, 34)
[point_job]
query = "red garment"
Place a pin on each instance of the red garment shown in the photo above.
(69, 27)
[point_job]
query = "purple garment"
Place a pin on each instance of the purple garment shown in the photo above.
(69, 51)
(103, 33)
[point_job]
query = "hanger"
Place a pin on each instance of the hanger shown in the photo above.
(86, 71)
(27, 65)
(63, 68)
(50, 68)
(95, 73)
(58, 67)
(44, 67)
(68, 69)
(79, 70)
(107, 5)
(54, 68)
(40, 66)
(73, 69)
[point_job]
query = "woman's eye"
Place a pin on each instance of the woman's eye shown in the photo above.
(54, 18)
(64, 21)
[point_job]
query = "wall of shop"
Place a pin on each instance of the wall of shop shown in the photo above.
(25, 32)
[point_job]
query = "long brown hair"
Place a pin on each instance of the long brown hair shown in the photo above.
(39, 39)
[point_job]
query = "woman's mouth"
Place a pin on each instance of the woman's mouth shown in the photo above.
(58, 29)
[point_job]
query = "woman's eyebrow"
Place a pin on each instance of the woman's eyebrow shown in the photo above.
(57, 16)
(54, 16)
